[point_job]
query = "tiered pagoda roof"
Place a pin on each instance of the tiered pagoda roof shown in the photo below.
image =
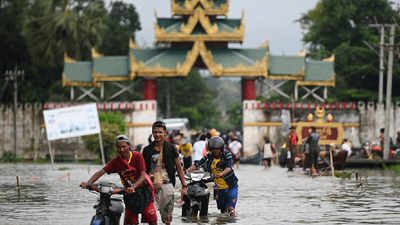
(198, 39)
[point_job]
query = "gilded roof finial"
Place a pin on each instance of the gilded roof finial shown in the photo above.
(265, 45)
(68, 59)
(329, 117)
(95, 54)
(310, 117)
(303, 53)
(132, 44)
(320, 112)
(330, 59)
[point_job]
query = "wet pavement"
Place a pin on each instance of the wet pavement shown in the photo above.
(272, 196)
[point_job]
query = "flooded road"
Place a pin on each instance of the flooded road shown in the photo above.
(271, 196)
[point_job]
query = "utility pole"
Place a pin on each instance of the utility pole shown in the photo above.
(381, 28)
(389, 94)
(13, 76)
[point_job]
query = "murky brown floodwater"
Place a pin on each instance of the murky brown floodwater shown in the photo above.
(271, 196)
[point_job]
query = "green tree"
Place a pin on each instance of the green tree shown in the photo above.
(235, 115)
(189, 97)
(112, 124)
(54, 27)
(341, 28)
(122, 22)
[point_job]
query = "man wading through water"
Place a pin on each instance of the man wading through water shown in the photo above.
(168, 164)
(131, 169)
(219, 163)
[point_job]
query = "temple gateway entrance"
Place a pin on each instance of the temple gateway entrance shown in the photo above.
(197, 37)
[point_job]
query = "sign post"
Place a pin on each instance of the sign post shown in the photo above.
(73, 121)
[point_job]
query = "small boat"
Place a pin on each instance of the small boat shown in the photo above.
(254, 159)
(339, 159)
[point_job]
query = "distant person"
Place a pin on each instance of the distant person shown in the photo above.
(204, 132)
(268, 152)
(235, 147)
(132, 170)
(346, 147)
(291, 145)
(198, 148)
(219, 163)
(170, 165)
(312, 156)
(398, 138)
(186, 149)
(382, 138)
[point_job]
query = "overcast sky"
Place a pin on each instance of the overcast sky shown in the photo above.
(265, 19)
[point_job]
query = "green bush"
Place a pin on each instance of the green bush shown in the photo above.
(10, 157)
(111, 124)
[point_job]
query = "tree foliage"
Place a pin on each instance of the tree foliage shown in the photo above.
(112, 125)
(122, 22)
(58, 26)
(189, 97)
(341, 28)
(35, 34)
(235, 115)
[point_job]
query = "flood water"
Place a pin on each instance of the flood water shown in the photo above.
(271, 196)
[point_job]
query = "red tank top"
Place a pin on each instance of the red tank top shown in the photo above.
(293, 140)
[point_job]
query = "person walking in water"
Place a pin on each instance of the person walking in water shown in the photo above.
(131, 169)
(268, 152)
(235, 147)
(169, 164)
(219, 163)
(291, 145)
(312, 156)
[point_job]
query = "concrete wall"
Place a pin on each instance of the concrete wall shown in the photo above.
(370, 116)
(32, 138)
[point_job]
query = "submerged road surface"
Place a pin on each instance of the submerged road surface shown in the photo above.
(271, 196)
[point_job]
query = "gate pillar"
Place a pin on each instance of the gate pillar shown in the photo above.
(150, 89)
(248, 88)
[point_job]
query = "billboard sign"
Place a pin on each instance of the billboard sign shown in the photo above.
(71, 121)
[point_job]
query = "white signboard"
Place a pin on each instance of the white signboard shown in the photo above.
(71, 121)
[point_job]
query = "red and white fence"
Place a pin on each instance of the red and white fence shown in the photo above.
(123, 106)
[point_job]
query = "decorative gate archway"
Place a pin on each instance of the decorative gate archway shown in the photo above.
(197, 36)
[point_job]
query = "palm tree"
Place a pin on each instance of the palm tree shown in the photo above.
(52, 27)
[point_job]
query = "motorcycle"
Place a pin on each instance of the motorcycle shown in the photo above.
(108, 210)
(198, 194)
(374, 149)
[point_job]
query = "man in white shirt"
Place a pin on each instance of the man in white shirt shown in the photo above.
(346, 147)
(235, 147)
(198, 148)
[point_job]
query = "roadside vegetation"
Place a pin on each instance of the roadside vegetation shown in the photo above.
(112, 124)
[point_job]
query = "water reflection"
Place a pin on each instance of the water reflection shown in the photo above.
(271, 196)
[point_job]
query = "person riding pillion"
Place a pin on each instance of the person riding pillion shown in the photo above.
(219, 163)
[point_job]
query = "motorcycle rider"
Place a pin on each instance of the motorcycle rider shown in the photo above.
(219, 163)
(131, 168)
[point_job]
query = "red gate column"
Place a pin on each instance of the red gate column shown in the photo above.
(248, 88)
(150, 89)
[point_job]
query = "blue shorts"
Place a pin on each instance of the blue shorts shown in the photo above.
(227, 197)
